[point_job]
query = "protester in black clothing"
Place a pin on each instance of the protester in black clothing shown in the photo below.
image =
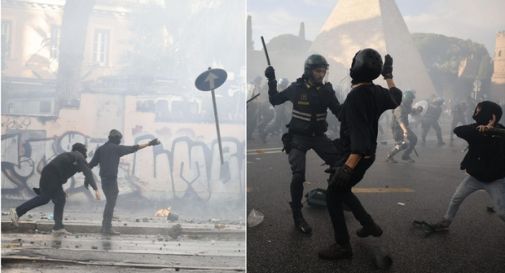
(357, 145)
(108, 156)
(311, 98)
(52, 178)
(484, 162)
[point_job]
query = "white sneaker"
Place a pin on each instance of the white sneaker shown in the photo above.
(14, 217)
(61, 231)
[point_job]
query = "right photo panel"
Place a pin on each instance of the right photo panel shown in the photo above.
(369, 123)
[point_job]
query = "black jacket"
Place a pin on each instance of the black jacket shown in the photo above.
(360, 117)
(65, 165)
(108, 156)
(485, 159)
(310, 104)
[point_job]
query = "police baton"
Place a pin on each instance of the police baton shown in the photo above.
(265, 49)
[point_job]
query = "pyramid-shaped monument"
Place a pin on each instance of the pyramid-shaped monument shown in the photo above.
(378, 24)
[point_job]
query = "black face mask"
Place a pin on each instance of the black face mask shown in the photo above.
(487, 109)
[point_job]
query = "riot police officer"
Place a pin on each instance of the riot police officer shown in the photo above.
(404, 137)
(311, 98)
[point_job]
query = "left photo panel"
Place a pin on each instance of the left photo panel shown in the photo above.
(123, 135)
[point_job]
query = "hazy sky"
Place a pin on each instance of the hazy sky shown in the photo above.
(478, 21)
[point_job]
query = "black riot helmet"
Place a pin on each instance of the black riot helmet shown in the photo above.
(366, 66)
(314, 61)
(486, 111)
(81, 148)
(115, 136)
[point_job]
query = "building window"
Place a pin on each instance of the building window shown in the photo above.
(6, 39)
(101, 47)
(54, 47)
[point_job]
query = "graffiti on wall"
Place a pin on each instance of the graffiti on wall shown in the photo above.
(181, 168)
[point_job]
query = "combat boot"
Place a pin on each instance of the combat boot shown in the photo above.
(370, 229)
(300, 222)
(336, 252)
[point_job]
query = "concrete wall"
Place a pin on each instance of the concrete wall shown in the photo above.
(186, 165)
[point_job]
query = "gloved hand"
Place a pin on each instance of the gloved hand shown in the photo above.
(341, 177)
(270, 73)
(387, 68)
(154, 142)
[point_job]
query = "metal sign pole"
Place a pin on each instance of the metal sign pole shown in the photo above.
(217, 127)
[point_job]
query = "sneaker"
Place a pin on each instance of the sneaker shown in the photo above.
(441, 226)
(14, 217)
(61, 231)
(366, 231)
(110, 232)
(335, 252)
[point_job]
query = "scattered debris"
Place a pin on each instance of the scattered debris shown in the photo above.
(175, 231)
(219, 226)
(173, 217)
(401, 204)
(254, 218)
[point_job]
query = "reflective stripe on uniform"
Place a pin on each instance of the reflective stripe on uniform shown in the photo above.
(301, 113)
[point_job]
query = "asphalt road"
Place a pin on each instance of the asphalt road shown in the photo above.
(394, 195)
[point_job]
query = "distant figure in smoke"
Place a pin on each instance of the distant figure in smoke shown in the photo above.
(430, 119)
(458, 117)
(484, 162)
(108, 156)
(281, 118)
(253, 108)
(404, 137)
(311, 98)
(52, 178)
(357, 146)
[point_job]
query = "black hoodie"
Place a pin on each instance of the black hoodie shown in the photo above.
(485, 159)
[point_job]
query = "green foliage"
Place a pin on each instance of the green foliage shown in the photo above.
(445, 54)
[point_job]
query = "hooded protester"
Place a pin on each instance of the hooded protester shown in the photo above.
(484, 162)
(357, 145)
(108, 156)
(311, 98)
(52, 178)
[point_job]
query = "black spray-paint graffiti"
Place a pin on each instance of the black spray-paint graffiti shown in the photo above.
(189, 169)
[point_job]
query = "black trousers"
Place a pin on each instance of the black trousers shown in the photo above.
(324, 148)
(50, 190)
(336, 197)
(426, 125)
(111, 191)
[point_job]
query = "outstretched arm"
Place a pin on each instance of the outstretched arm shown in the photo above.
(124, 150)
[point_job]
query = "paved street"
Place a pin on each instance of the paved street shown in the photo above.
(394, 195)
(148, 244)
